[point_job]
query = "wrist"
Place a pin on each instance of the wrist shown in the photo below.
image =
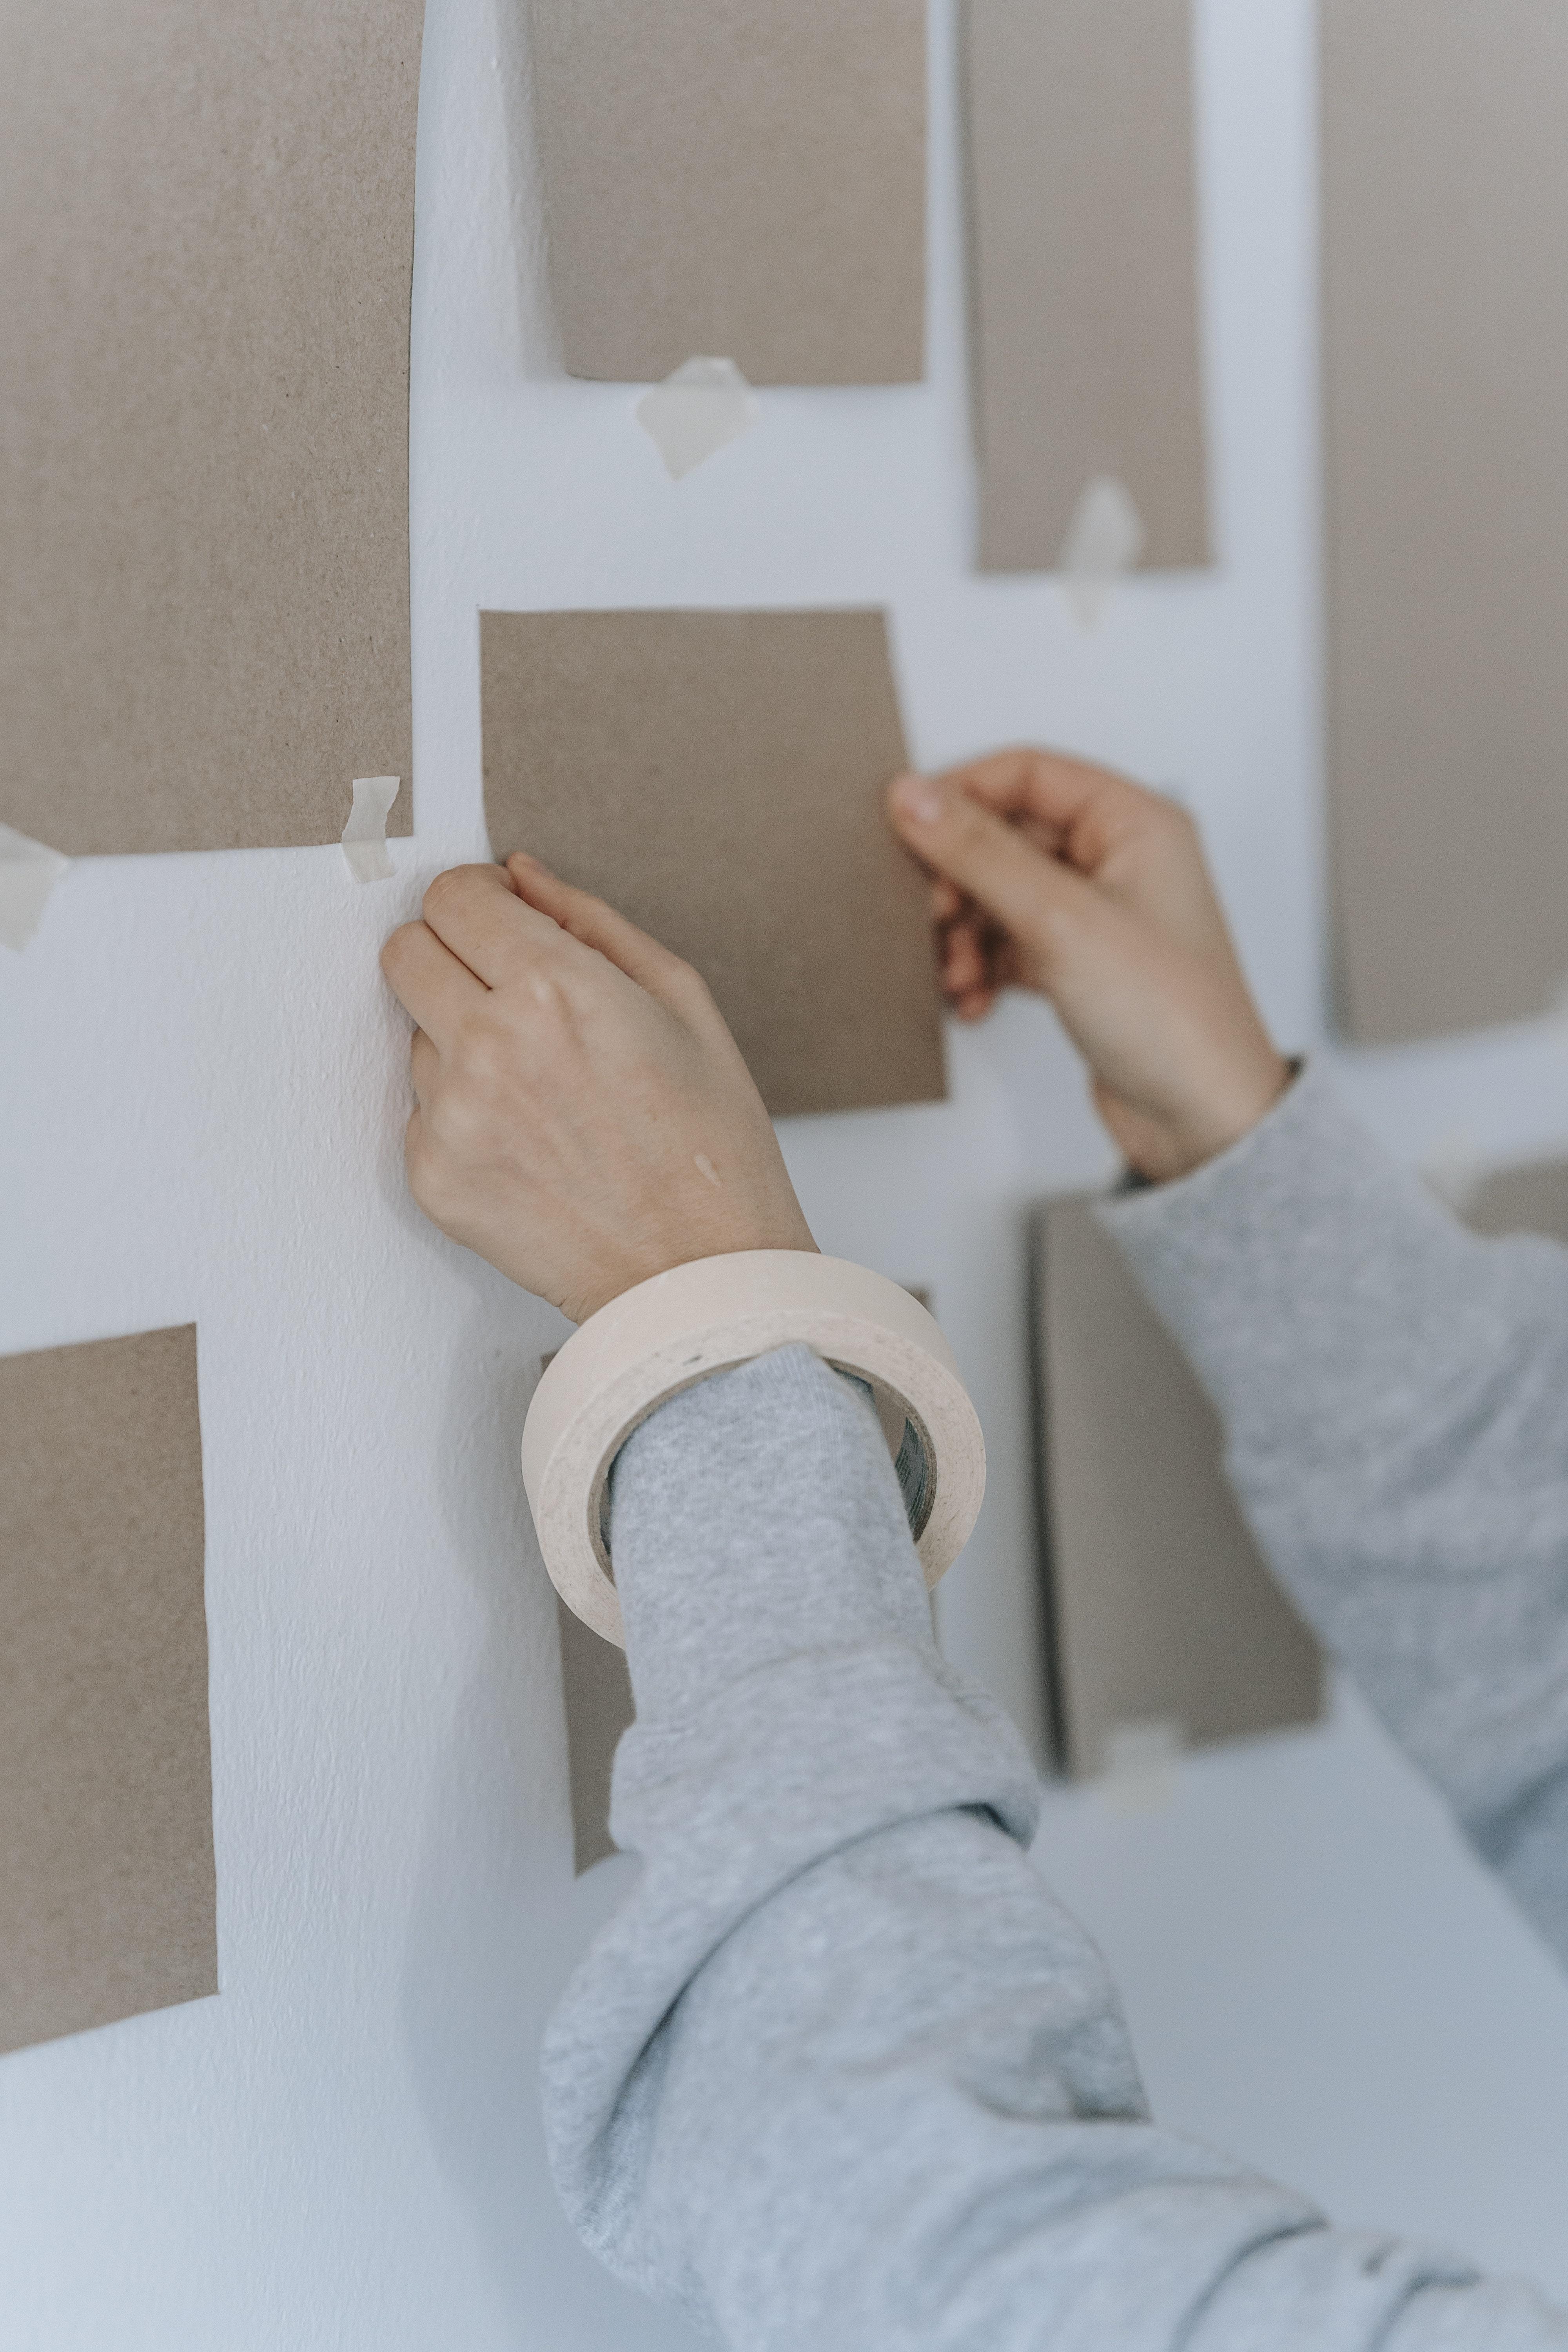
(1231, 1110)
(667, 1253)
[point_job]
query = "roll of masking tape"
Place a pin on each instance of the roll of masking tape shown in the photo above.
(666, 1335)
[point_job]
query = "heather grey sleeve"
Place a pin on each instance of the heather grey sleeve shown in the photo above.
(1395, 1393)
(840, 2076)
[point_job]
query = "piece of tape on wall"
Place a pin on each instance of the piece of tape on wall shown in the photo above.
(365, 835)
(694, 412)
(29, 872)
(1105, 540)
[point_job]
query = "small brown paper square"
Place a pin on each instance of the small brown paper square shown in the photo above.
(718, 777)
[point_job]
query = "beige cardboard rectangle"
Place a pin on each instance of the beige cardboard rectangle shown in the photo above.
(1084, 294)
(107, 1896)
(206, 221)
(1445, 354)
(1160, 1605)
(744, 182)
(718, 777)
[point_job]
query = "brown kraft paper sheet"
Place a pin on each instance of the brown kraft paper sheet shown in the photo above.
(206, 225)
(744, 182)
(1162, 1608)
(1084, 272)
(106, 1893)
(1445, 125)
(718, 777)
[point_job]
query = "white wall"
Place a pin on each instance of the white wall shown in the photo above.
(202, 1088)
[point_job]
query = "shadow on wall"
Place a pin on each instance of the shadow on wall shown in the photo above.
(495, 1919)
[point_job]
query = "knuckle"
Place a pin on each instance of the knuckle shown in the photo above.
(394, 948)
(687, 982)
(583, 906)
(449, 890)
(970, 823)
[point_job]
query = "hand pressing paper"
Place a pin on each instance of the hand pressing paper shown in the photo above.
(718, 777)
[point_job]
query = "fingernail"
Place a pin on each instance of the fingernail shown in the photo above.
(918, 798)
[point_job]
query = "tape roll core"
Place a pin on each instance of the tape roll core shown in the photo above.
(685, 1326)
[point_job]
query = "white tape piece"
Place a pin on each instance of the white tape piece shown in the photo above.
(695, 411)
(1105, 540)
(29, 872)
(365, 835)
(1142, 1765)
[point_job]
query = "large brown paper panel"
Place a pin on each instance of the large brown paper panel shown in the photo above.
(1445, 326)
(107, 1899)
(1084, 295)
(206, 221)
(1160, 1606)
(597, 1691)
(744, 182)
(718, 777)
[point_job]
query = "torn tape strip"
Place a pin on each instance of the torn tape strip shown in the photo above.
(705, 403)
(29, 872)
(365, 835)
(1105, 539)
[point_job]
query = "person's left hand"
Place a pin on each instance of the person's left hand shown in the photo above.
(585, 1118)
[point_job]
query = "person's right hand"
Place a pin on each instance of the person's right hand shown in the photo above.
(583, 1118)
(1052, 875)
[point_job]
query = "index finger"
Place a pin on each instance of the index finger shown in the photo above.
(475, 912)
(429, 982)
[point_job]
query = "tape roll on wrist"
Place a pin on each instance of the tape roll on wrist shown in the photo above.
(710, 1317)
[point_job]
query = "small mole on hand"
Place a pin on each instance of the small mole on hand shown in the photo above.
(705, 1168)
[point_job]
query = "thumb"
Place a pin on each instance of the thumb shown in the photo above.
(1019, 884)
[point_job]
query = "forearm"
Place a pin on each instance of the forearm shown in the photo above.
(840, 2073)
(1396, 1399)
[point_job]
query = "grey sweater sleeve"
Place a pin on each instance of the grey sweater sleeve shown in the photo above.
(1395, 1393)
(840, 2076)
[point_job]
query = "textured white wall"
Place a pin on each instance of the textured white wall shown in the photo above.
(203, 1088)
